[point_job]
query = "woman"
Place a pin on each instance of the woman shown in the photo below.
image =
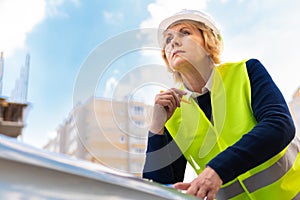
(236, 131)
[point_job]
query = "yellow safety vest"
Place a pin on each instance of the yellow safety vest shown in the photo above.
(200, 140)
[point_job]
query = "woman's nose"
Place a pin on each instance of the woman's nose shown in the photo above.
(176, 41)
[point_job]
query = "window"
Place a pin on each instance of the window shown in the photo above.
(139, 123)
(122, 139)
(138, 110)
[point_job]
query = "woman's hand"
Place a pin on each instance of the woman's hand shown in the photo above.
(170, 100)
(207, 184)
(165, 104)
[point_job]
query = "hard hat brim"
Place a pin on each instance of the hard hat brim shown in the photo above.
(193, 15)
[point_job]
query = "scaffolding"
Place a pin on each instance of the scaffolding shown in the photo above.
(1, 71)
(12, 110)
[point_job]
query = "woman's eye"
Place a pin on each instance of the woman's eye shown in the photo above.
(186, 33)
(168, 40)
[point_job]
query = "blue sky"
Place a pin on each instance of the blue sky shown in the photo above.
(61, 34)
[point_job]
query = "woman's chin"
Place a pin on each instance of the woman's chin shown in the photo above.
(178, 66)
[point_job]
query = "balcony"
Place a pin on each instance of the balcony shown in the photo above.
(11, 118)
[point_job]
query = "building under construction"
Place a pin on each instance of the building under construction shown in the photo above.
(12, 109)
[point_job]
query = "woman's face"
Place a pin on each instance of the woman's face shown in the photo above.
(183, 46)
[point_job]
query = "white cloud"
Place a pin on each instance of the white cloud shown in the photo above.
(53, 7)
(111, 83)
(113, 17)
(51, 134)
(17, 18)
(267, 30)
(161, 9)
(75, 2)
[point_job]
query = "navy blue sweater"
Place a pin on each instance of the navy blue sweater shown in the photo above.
(273, 132)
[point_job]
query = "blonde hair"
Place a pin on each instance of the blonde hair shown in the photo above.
(212, 44)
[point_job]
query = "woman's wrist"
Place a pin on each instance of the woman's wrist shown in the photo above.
(159, 119)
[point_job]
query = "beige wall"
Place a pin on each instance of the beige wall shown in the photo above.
(112, 133)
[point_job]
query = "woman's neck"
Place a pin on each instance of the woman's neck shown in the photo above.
(195, 80)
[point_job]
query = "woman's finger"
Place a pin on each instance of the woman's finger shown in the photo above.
(202, 192)
(181, 186)
(171, 96)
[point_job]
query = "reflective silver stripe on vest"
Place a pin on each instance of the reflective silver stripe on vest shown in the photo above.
(275, 171)
(230, 191)
(265, 177)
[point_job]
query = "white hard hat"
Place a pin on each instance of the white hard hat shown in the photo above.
(194, 15)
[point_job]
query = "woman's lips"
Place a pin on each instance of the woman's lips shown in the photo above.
(177, 52)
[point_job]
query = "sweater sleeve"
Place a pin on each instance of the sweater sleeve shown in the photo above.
(164, 161)
(273, 132)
